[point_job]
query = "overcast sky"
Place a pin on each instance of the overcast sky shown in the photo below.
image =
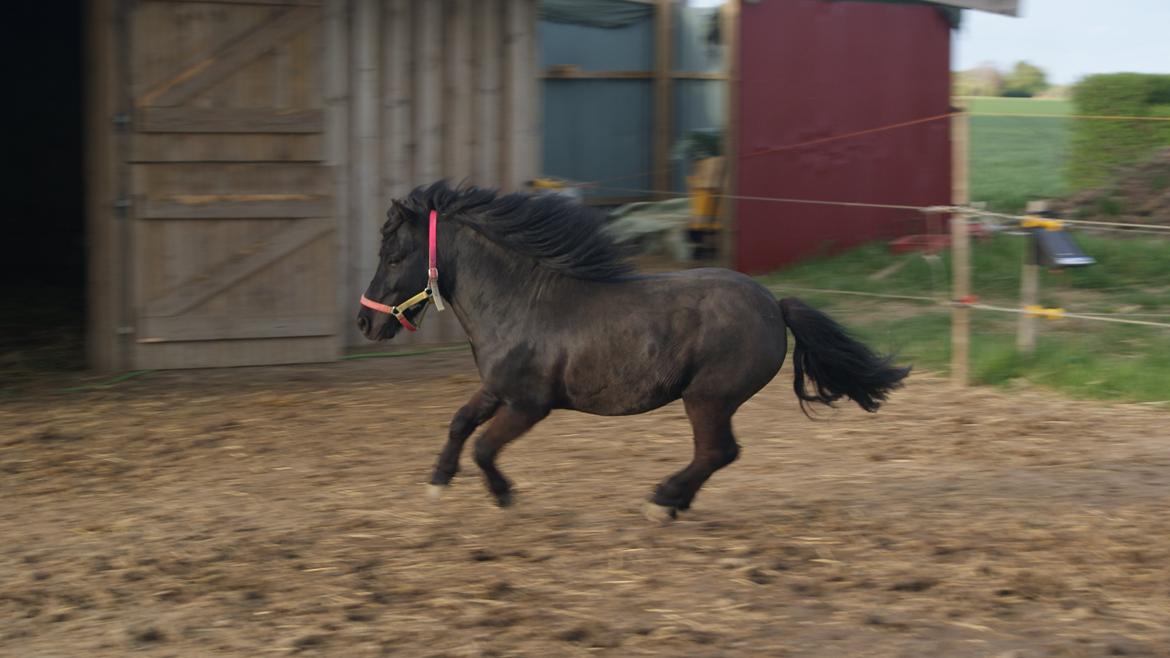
(1071, 38)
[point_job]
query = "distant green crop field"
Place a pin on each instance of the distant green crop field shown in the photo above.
(978, 104)
(1017, 159)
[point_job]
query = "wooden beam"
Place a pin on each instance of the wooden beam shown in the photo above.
(699, 75)
(1029, 296)
(558, 73)
(106, 262)
(226, 147)
(487, 74)
(236, 267)
(368, 210)
(459, 151)
(305, 3)
(729, 29)
(521, 101)
(231, 327)
(183, 85)
(428, 76)
(235, 206)
(227, 120)
(960, 290)
(663, 102)
(336, 82)
(960, 158)
(396, 101)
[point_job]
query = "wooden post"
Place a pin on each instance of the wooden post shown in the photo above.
(107, 258)
(1029, 296)
(960, 291)
(663, 107)
(367, 210)
(729, 30)
(960, 153)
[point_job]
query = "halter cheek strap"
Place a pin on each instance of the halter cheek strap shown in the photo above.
(431, 292)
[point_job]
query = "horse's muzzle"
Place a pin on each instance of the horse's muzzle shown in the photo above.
(376, 326)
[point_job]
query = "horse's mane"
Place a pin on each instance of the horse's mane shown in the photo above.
(559, 233)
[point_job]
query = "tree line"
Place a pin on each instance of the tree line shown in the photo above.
(1022, 80)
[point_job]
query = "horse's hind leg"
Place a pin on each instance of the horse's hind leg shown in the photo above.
(715, 447)
(507, 425)
(476, 412)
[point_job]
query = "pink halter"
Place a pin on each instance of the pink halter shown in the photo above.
(431, 292)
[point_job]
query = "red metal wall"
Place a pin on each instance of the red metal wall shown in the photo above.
(814, 69)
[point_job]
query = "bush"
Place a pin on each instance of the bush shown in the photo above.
(1100, 147)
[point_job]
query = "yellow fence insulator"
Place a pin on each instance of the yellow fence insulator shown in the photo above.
(1042, 222)
(1046, 313)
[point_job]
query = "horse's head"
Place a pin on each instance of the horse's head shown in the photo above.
(401, 273)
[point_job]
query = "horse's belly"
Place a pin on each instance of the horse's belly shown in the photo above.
(620, 390)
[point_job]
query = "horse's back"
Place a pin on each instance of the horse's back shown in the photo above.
(652, 339)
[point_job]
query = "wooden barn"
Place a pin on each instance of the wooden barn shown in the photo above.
(239, 155)
(841, 101)
(242, 154)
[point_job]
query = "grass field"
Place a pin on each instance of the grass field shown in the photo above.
(1081, 358)
(1017, 159)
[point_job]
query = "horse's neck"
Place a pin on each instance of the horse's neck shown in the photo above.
(492, 294)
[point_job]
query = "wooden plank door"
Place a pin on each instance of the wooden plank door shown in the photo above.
(232, 215)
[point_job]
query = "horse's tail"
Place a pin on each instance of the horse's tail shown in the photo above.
(836, 364)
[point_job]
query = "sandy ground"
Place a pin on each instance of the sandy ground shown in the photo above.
(281, 511)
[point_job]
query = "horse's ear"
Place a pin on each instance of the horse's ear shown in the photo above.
(400, 214)
(394, 217)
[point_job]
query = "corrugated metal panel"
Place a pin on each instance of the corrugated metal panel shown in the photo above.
(811, 70)
(595, 129)
(629, 48)
(601, 129)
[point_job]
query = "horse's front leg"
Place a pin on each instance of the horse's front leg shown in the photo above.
(506, 426)
(476, 412)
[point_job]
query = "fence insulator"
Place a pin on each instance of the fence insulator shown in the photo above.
(1046, 313)
(1042, 222)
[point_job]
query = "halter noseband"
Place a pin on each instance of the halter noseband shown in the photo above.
(431, 292)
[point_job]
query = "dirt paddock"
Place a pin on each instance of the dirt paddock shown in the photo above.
(281, 511)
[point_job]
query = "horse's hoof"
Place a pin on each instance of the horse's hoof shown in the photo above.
(435, 492)
(660, 514)
(505, 499)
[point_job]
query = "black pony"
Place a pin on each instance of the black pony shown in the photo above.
(558, 320)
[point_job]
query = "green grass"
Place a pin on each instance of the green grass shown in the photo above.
(978, 104)
(1018, 159)
(1080, 358)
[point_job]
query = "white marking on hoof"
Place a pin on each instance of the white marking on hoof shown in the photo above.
(656, 513)
(435, 492)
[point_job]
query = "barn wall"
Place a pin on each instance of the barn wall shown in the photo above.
(599, 99)
(439, 89)
(343, 113)
(812, 69)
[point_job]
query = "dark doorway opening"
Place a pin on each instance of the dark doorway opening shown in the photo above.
(42, 316)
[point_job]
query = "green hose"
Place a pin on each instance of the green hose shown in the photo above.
(390, 355)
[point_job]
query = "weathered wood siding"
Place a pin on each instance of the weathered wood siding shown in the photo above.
(232, 217)
(441, 89)
(263, 141)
